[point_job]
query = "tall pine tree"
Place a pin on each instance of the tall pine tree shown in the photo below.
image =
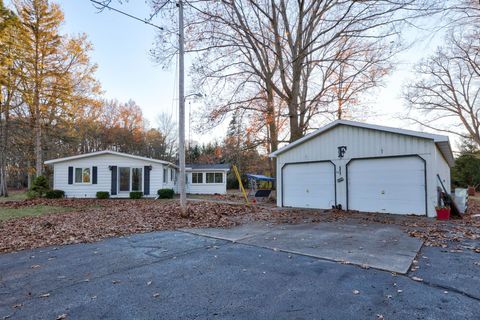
(7, 41)
(56, 70)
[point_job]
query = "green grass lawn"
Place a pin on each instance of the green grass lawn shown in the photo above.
(14, 196)
(13, 213)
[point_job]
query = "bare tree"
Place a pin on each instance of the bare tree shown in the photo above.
(447, 94)
(168, 128)
(289, 50)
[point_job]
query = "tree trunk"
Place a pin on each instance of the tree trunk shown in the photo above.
(4, 117)
(29, 174)
(295, 130)
(272, 129)
(38, 143)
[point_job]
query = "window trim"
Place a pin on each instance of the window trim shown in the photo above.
(82, 183)
(142, 180)
(201, 173)
(214, 172)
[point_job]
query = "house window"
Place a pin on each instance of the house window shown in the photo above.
(197, 177)
(165, 173)
(172, 175)
(124, 177)
(82, 175)
(136, 179)
(214, 177)
(130, 179)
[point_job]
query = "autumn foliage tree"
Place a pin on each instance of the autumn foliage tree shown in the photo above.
(51, 104)
(8, 23)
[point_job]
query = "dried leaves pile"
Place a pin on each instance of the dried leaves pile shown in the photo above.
(94, 219)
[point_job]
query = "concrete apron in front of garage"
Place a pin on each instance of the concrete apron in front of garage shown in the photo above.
(378, 246)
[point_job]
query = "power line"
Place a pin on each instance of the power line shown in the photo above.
(103, 5)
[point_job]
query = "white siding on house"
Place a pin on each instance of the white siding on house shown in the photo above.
(363, 143)
(206, 188)
(102, 162)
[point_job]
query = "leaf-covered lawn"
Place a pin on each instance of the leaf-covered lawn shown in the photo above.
(89, 220)
(12, 213)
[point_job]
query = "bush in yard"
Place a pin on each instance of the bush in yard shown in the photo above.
(39, 187)
(33, 194)
(165, 193)
(55, 194)
(103, 195)
(136, 195)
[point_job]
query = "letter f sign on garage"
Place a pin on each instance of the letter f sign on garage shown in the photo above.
(341, 151)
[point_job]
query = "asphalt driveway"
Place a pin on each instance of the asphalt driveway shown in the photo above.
(172, 275)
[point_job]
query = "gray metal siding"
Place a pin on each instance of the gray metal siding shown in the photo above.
(361, 143)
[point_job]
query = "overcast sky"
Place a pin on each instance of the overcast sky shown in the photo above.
(121, 50)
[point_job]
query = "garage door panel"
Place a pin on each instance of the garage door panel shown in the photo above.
(309, 185)
(391, 185)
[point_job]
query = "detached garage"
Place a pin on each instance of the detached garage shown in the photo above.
(364, 167)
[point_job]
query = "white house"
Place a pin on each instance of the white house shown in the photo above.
(364, 167)
(82, 176)
(118, 173)
(207, 178)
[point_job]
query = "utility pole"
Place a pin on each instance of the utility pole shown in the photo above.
(181, 108)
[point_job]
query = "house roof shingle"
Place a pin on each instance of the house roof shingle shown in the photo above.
(208, 166)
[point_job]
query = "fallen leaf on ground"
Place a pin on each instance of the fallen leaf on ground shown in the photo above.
(356, 292)
(156, 295)
(417, 279)
(45, 295)
(91, 220)
(62, 317)
(149, 283)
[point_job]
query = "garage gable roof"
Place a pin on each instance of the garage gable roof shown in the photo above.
(97, 153)
(441, 141)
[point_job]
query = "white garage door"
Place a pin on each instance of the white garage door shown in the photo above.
(390, 185)
(309, 185)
